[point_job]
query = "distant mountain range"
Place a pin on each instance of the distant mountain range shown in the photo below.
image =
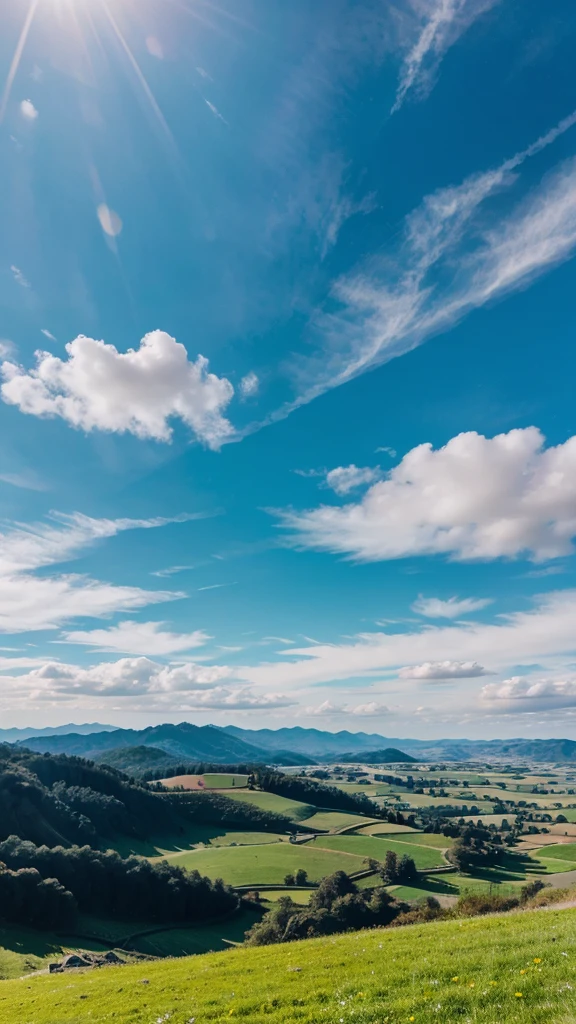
(15, 735)
(290, 746)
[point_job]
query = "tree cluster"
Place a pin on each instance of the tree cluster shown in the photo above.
(106, 884)
(337, 905)
(28, 899)
(309, 791)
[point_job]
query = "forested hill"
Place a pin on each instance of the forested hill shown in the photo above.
(59, 800)
(193, 742)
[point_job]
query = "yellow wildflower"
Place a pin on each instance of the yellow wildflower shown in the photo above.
(493, 982)
(412, 1018)
(518, 995)
(456, 978)
(537, 959)
(522, 972)
(472, 984)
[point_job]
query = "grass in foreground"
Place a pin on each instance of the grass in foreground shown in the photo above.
(496, 970)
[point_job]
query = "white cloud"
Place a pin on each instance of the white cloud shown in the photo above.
(542, 635)
(171, 570)
(369, 710)
(475, 498)
(138, 392)
(453, 608)
(215, 111)
(443, 263)
(147, 638)
(29, 602)
(344, 479)
(38, 602)
(19, 277)
(47, 334)
(249, 385)
(442, 23)
(65, 536)
(189, 687)
(28, 110)
(7, 348)
(110, 222)
(443, 670)
(521, 694)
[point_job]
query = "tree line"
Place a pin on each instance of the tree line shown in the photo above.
(103, 883)
(309, 791)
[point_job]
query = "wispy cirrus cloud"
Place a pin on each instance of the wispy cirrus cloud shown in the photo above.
(446, 263)
(32, 602)
(441, 23)
(452, 608)
(544, 634)
(146, 638)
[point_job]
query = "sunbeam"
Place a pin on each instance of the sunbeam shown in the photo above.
(16, 58)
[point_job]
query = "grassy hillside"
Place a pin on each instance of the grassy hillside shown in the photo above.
(268, 865)
(495, 970)
(293, 809)
(373, 846)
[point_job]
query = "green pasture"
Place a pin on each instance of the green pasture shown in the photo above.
(327, 820)
(293, 809)
(192, 836)
(372, 846)
(269, 864)
(383, 828)
(502, 969)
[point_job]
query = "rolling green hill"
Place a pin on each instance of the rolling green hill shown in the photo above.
(500, 969)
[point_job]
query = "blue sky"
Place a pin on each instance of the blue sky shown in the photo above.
(287, 403)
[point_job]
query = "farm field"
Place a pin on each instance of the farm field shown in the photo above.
(293, 809)
(327, 820)
(191, 838)
(268, 865)
(558, 858)
(382, 828)
(372, 846)
(495, 970)
(210, 781)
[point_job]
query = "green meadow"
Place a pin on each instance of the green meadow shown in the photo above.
(501, 969)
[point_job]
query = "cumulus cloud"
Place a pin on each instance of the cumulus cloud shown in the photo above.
(475, 498)
(540, 635)
(327, 709)
(521, 694)
(138, 391)
(442, 22)
(147, 638)
(28, 110)
(453, 608)
(191, 686)
(249, 385)
(30, 602)
(344, 479)
(443, 670)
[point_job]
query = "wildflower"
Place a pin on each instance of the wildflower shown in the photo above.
(472, 984)
(518, 995)
(493, 982)
(412, 1018)
(537, 959)
(456, 978)
(522, 972)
